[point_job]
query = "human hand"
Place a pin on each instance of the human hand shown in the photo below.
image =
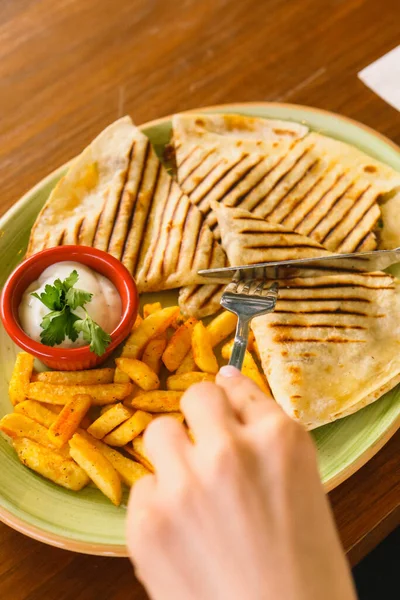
(239, 514)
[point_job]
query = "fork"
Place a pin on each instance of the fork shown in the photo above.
(247, 299)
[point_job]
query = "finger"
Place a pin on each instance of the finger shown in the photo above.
(141, 494)
(166, 442)
(247, 399)
(140, 501)
(207, 410)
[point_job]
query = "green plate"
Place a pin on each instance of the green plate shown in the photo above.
(87, 521)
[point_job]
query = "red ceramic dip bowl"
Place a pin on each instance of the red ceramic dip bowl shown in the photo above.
(68, 359)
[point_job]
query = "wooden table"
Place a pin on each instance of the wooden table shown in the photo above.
(69, 68)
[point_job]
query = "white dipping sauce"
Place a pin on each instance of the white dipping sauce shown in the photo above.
(104, 307)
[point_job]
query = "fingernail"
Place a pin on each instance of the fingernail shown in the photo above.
(229, 371)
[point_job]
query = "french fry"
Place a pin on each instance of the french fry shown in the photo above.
(149, 328)
(249, 367)
(116, 415)
(127, 402)
(149, 309)
(178, 321)
(180, 417)
(50, 464)
(179, 345)
(221, 327)
(129, 470)
(96, 376)
(36, 411)
(203, 354)
(139, 372)
(158, 401)
(153, 352)
(105, 393)
(86, 421)
(187, 365)
(106, 408)
(136, 449)
(120, 376)
(226, 350)
(20, 377)
(69, 420)
(55, 408)
(137, 322)
(129, 429)
(184, 381)
(18, 425)
(97, 466)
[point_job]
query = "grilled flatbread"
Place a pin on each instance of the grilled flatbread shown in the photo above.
(81, 208)
(248, 239)
(200, 300)
(312, 184)
(332, 345)
(118, 197)
(215, 152)
(213, 127)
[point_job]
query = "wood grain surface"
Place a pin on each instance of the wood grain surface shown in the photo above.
(68, 68)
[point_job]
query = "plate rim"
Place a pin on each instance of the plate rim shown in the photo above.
(118, 550)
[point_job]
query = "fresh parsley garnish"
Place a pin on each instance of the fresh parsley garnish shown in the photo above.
(93, 334)
(62, 298)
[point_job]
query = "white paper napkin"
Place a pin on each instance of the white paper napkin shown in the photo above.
(383, 77)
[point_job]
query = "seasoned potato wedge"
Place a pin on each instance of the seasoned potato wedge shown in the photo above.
(129, 470)
(179, 345)
(158, 401)
(117, 414)
(68, 420)
(55, 408)
(18, 425)
(149, 328)
(203, 354)
(185, 380)
(139, 372)
(106, 393)
(93, 377)
(129, 429)
(249, 367)
(120, 376)
(180, 417)
(20, 377)
(137, 322)
(187, 365)
(221, 327)
(136, 449)
(50, 464)
(153, 352)
(36, 411)
(149, 309)
(97, 466)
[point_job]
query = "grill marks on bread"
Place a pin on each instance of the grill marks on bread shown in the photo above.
(335, 309)
(314, 185)
(118, 197)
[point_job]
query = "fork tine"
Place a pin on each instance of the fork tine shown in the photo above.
(232, 287)
(272, 290)
(246, 287)
(259, 289)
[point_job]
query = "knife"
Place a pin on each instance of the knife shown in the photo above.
(360, 262)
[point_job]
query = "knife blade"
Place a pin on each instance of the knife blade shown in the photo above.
(361, 262)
